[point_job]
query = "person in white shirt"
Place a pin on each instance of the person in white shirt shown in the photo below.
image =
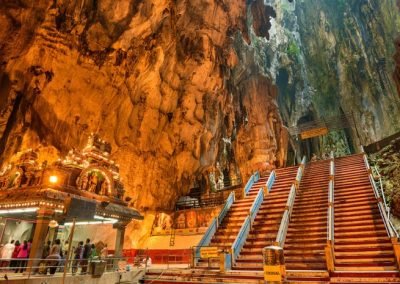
(6, 254)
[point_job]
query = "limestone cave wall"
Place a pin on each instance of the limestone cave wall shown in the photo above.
(176, 86)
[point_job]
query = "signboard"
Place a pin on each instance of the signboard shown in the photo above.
(314, 132)
(81, 209)
(209, 252)
(273, 273)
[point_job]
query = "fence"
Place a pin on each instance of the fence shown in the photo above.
(17, 268)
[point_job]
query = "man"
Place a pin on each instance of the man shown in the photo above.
(87, 250)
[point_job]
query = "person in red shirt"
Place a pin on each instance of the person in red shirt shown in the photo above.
(22, 257)
(14, 260)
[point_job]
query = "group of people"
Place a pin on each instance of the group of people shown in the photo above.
(15, 255)
(85, 252)
(324, 156)
(81, 255)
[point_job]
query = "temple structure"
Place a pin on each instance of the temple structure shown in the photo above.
(85, 186)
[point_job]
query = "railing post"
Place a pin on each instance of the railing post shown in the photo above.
(330, 249)
(330, 256)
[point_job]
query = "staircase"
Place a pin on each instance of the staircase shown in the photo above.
(266, 224)
(362, 246)
(306, 236)
(231, 224)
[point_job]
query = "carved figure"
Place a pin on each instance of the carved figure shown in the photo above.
(105, 188)
(84, 182)
(93, 182)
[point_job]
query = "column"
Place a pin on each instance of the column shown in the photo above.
(119, 241)
(44, 216)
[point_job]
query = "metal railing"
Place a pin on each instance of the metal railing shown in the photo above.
(378, 179)
(254, 178)
(391, 230)
(212, 229)
(240, 238)
(227, 206)
(270, 182)
(284, 225)
(300, 171)
(256, 205)
(246, 226)
(17, 268)
(330, 239)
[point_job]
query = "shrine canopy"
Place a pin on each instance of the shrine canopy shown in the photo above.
(87, 177)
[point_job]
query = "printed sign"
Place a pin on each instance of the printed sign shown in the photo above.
(314, 132)
(209, 252)
(273, 273)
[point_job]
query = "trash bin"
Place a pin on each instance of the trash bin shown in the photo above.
(274, 264)
(98, 267)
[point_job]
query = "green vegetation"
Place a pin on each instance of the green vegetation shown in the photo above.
(293, 50)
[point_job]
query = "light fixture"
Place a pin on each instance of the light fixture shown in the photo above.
(53, 224)
(23, 210)
(53, 179)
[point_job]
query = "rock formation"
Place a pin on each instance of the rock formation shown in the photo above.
(175, 86)
(333, 57)
(185, 89)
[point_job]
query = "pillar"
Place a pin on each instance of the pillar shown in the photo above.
(119, 241)
(44, 216)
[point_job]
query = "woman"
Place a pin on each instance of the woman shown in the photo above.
(6, 253)
(22, 257)
(54, 257)
(77, 257)
(15, 254)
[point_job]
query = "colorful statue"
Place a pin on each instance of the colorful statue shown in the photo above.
(105, 188)
(93, 182)
(84, 182)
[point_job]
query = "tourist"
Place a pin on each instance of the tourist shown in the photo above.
(65, 249)
(14, 255)
(314, 158)
(78, 252)
(87, 250)
(22, 257)
(46, 250)
(54, 257)
(104, 252)
(6, 254)
(93, 252)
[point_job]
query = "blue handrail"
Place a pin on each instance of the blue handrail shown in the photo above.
(212, 229)
(254, 178)
(245, 229)
(206, 239)
(256, 205)
(271, 181)
(240, 239)
(227, 206)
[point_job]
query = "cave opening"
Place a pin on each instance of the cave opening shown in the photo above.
(308, 147)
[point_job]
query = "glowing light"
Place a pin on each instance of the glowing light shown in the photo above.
(53, 179)
(53, 224)
(23, 210)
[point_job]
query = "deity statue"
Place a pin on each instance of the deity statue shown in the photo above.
(84, 182)
(104, 188)
(93, 182)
